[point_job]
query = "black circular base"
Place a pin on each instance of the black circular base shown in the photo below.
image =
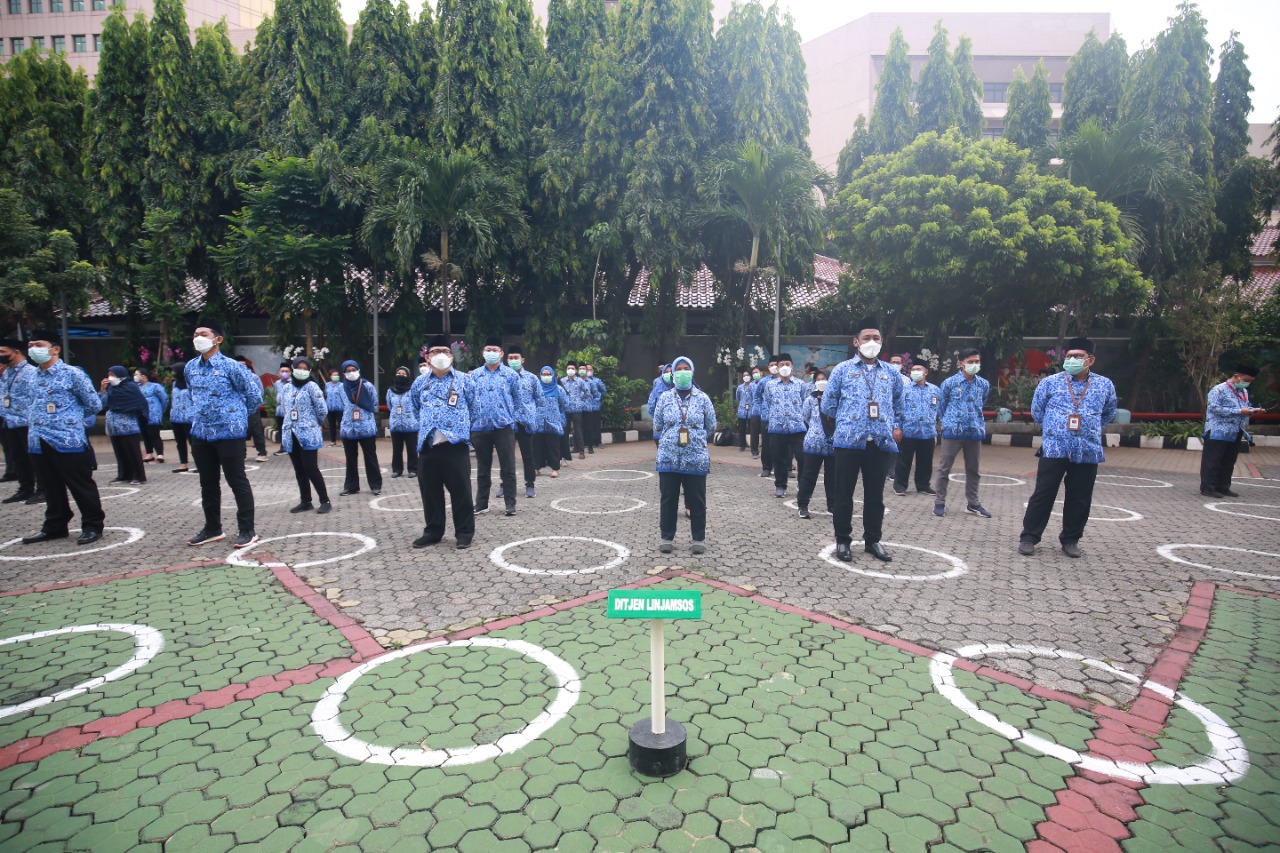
(657, 755)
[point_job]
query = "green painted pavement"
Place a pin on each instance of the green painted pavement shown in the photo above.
(221, 625)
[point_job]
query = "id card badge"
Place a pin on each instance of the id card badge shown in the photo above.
(50, 408)
(399, 410)
(933, 401)
(453, 399)
(6, 402)
(293, 415)
(357, 415)
(1073, 422)
(873, 410)
(682, 438)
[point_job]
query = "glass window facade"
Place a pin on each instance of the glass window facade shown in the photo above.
(17, 46)
(59, 44)
(79, 44)
(36, 6)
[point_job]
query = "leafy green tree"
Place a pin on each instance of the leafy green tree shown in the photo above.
(1026, 124)
(477, 80)
(860, 146)
(893, 119)
(386, 63)
(37, 265)
(1094, 83)
(426, 47)
(940, 96)
(970, 89)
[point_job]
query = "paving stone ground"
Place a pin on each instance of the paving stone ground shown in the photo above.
(813, 717)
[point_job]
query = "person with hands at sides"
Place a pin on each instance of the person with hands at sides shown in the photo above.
(493, 426)
(359, 430)
(17, 393)
(818, 449)
(443, 400)
(862, 413)
(684, 420)
(593, 418)
(528, 390)
(784, 400)
(256, 431)
(1226, 425)
(576, 393)
(766, 443)
(127, 418)
(1072, 409)
(157, 402)
(282, 381)
(62, 401)
(551, 420)
(302, 435)
(180, 415)
(333, 401)
(742, 396)
(403, 428)
(757, 376)
(661, 385)
(960, 402)
(223, 393)
(920, 399)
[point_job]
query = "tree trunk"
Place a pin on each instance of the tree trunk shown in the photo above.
(444, 275)
(164, 321)
(746, 297)
(307, 328)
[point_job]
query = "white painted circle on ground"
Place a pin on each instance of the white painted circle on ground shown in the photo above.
(987, 478)
(1266, 484)
(793, 505)
(1216, 506)
(590, 475)
(256, 502)
(958, 566)
(147, 644)
(134, 535)
(376, 503)
(1132, 516)
(497, 558)
(1159, 484)
(343, 471)
(248, 468)
(125, 491)
(636, 504)
(1228, 759)
(368, 543)
(324, 719)
(1166, 551)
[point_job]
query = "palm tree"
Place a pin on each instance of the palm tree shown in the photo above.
(452, 193)
(775, 193)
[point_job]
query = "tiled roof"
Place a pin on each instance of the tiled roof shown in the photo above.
(701, 292)
(1262, 284)
(1265, 243)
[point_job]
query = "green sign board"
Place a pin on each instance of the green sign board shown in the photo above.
(655, 604)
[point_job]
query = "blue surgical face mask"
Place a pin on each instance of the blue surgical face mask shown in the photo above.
(492, 357)
(39, 354)
(1074, 366)
(684, 379)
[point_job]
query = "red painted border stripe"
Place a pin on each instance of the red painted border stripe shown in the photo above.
(54, 587)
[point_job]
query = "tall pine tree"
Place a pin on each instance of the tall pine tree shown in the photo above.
(970, 89)
(385, 62)
(1094, 83)
(893, 120)
(1026, 124)
(939, 97)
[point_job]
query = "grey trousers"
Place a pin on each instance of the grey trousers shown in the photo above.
(950, 447)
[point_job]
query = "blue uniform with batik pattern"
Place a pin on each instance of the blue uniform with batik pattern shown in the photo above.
(851, 388)
(304, 411)
(761, 408)
(17, 390)
(784, 401)
(551, 412)
(595, 394)
(920, 410)
(400, 416)
(366, 426)
(119, 423)
(333, 395)
(960, 407)
(157, 402)
(496, 391)
(1059, 396)
(576, 393)
(429, 399)
(63, 399)
(1223, 418)
(815, 437)
(696, 413)
(660, 387)
(528, 390)
(745, 395)
(180, 406)
(223, 392)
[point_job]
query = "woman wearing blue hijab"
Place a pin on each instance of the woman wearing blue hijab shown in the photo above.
(359, 429)
(551, 419)
(684, 419)
(127, 416)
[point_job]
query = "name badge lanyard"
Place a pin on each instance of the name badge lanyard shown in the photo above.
(10, 380)
(873, 406)
(1073, 419)
(682, 437)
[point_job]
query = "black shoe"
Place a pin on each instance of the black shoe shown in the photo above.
(1071, 549)
(244, 539)
(204, 537)
(325, 508)
(925, 491)
(9, 478)
(591, 450)
(1226, 493)
(116, 480)
(511, 510)
(1026, 548)
(396, 474)
(902, 493)
(804, 512)
(1210, 493)
(281, 452)
(844, 553)
(346, 492)
(481, 509)
(305, 506)
(463, 544)
(35, 538)
(377, 491)
(877, 550)
(424, 541)
(182, 470)
(17, 498)
(766, 474)
(88, 536)
(412, 474)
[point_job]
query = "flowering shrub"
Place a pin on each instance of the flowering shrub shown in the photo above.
(737, 358)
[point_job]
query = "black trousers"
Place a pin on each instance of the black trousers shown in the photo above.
(352, 447)
(530, 454)
(695, 500)
(575, 420)
(256, 433)
(1077, 502)
(68, 472)
(871, 464)
(402, 443)
(755, 436)
(1217, 463)
(280, 430)
(591, 427)
(743, 426)
(808, 479)
(180, 434)
(548, 450)
(129, 464)
(921, 451)
(766, 448)
(19, 460)
(446, 467)
(335, 424)
(151, 439)
(485, 442)
(218, 460)
(564, 441)
(306, 469)
(4, 446)
(786, 446)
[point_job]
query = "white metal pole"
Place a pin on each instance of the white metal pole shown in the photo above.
(658, 681)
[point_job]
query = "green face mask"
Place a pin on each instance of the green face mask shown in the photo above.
(1243, 384)
(684, 379)
(1074, 366)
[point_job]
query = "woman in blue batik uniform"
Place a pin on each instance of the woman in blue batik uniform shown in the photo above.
(127, 417)
(303, 409)
(684, 419)
(359, 429)
(551, 418)
(157, 402)
(403, 424)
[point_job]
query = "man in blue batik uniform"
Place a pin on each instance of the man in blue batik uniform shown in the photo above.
(529, 389)
(575, 399)
(1226, 424)
(1072, 408)
(17, 390)
(963, 429)
(784, 402)
(443, 400)
(493, 426)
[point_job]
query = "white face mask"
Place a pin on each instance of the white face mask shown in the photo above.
(571, 372)
(422, 368)
(352, 375)
(138, 377)
(773, 369)
(917, 375)
(440, 361)
(590, 374)
(746, 379)
(784, 371)
(972, 369)
(820, 385)
(202, 345)
(304, 375)
(114, 380)
(870, 349)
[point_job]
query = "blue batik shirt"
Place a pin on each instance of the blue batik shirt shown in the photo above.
(744, 396)
(429, 399)
(304, 411)
(64, 398)
(1053, 405)
(784, 401)
(17, 391)
(119, 423)
(1223, 419)
(528, 390)
(659, 388)
(278, 385)
(762, 404)
(576, 393)
(366, 426)
(597, 390)
(401, 418)
(920, 410)
(496, 391)
(333, 395)
(180, 406)
(223, 393)
(960, 407)
(157, 401)
(551, 412)
(697, 414)
(851, 387)
(815, 437)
